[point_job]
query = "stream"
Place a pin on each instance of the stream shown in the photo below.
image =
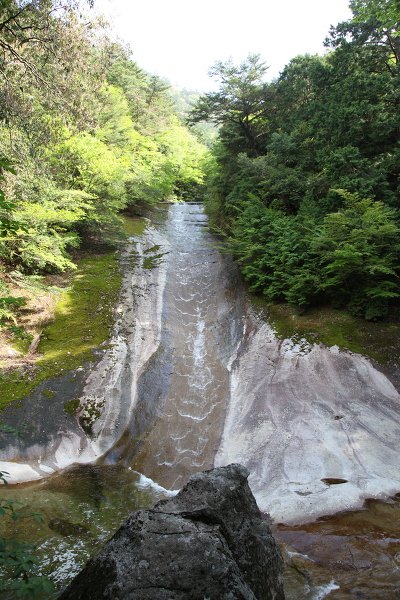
(194, 378)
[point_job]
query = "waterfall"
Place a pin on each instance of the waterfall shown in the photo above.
(202, 324)
(192, 379)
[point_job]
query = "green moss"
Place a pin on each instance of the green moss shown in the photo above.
(90, 414)
(22, 345)
(134, 225)
(72, 406)
(84, 319)
(131, 259)
(380, 341)
(48, 393)
(151, 262)
(152, 249)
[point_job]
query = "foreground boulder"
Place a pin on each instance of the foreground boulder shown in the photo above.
(207, 543)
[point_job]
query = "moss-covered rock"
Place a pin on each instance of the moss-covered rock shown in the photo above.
(377, 340)
(71, 407)
(83, 321)
(90, 413)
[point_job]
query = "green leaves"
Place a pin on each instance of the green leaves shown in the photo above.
(385, 11)
(307, 205)
(351, 259)
(7, 226)
(359, 253)
(90, 132)
(241, 105)
(17, 561)
(8, 306)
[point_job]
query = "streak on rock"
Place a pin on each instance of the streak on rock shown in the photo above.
(302, 416)
(207, 542)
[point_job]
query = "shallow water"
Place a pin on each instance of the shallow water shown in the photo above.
(201, 325)
(351, 556)
(81, 508)
(356, 553)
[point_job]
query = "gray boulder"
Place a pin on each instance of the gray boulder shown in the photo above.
(209, 542)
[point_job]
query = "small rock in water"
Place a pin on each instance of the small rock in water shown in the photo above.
(65, 528)
(209, 541)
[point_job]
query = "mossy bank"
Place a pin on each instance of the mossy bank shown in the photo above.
(82, 323)
(377, 340)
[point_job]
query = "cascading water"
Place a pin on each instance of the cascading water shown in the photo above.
(202, 324)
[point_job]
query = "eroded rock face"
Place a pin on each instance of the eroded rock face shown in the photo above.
(318, 428)
(208, 542)
(106, 396)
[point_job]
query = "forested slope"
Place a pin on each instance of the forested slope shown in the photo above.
(306, 189)
(84, 133)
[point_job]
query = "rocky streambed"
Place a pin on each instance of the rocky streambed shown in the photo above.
(193, 379)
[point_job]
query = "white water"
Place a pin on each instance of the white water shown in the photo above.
(198, 302)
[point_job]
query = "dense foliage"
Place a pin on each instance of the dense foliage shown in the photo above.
(84, 133)
(307, 185)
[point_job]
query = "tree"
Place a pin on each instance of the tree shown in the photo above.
(326, 124)
(242, 105)
(375, 25)
(7, 225)
(31, 24)
(358, 251)
(385, 11)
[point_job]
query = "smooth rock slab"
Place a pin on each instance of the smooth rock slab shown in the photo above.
(318, 428)
(209, 542)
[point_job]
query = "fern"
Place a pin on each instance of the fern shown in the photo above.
(7, 307)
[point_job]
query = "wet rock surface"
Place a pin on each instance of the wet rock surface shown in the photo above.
(104, 391)
(208, 542)
(66, 528)
(201, 325)
(183, 387)
(350, 556)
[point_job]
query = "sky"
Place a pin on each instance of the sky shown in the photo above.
(181, 39)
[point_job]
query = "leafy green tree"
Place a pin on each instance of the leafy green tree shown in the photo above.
(242, 105)
(387, 12)
(48, 49)
(270, 249)
(375, 26)
(89, 132)
(351, 259)
(359, 251)
(7, 225)
(335, 126)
